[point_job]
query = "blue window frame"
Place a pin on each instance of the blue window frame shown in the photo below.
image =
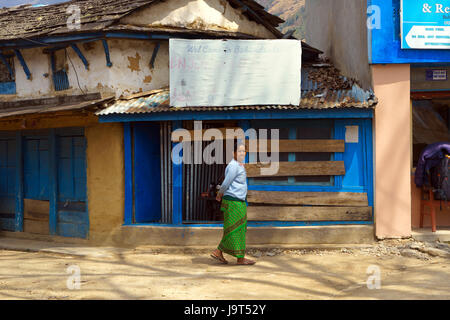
(7, 77)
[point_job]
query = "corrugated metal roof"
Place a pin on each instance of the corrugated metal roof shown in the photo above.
(315, 95)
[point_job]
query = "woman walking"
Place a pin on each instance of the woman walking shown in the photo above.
(233, 193)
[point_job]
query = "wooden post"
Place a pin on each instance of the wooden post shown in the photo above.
(291, 156)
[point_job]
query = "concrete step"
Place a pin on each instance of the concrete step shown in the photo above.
(190, 236)
(426, 235)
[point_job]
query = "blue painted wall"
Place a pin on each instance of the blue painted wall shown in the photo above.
(385, 43)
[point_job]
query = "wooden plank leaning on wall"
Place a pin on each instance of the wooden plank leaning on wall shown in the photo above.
(307, 206)
(36, 216)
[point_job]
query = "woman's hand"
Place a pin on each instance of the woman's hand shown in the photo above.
(219, 197)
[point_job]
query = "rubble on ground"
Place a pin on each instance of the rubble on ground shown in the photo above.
(383, 248)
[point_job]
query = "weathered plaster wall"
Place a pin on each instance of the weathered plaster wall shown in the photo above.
(339, 29)
(105, 179)
(393, 138)
(130, 72)
(39, 65)
(197, 14)
(97, 78)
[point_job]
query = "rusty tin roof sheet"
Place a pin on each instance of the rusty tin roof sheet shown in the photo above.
(337, 92)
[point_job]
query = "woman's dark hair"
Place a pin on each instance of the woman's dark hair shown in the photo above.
(237, 144)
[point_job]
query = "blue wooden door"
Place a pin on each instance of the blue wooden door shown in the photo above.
(36, 167)
(7, 183)
(72, 210)
(147, 173)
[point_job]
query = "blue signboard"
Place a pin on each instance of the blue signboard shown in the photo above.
(384, 38)
(425, 24)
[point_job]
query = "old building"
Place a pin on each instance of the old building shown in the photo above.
(85, 131)
(398, 49)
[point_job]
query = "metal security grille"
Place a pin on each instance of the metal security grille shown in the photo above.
(166, 172)
(198, 178)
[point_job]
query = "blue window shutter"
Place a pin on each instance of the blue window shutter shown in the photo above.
(60, 79)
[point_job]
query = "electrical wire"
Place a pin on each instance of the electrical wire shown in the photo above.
(76, 74)
(46, 44)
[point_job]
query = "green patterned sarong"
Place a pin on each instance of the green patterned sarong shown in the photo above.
(234, 227)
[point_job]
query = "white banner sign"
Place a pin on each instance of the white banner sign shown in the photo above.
(234, 72)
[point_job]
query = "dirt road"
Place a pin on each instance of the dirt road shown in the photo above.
(403, 268)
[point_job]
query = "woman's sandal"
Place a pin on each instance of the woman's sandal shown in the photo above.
(246, 262)
(221, 259)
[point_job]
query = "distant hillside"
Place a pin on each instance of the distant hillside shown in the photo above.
(292, 11)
